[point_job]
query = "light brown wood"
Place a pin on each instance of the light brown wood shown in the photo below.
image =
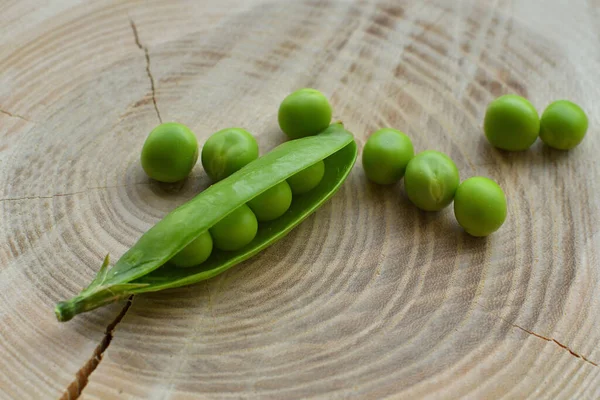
(369, 297)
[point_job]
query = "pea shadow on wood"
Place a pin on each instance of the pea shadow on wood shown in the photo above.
(438, 220)
(538, 155)
(185, 189)
(271, 137)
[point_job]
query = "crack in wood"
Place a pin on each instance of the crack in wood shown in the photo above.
(148, 71)
(574, 354)
(82, 376)
(14, 115)
(41, 197)
(51, 196)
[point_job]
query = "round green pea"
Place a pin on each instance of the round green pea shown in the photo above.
(511, 123)
(227, 151)
(305, 112)
(236, 230)
(307, 179)
(431, 180)
(480, 206)
(194, 253)
(272, 203)
(169, 152)
(386, 155)
(563, 125)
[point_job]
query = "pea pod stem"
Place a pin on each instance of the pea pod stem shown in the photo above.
(138, 270)
(66, 310)
(95, 295)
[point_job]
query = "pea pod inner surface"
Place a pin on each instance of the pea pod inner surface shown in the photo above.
(133, 272)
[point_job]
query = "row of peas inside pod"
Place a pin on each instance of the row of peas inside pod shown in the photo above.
(171, 151)
(431, 179)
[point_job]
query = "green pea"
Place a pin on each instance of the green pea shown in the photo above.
(431, 180)
(511, 123)
(227, 151)
(236, 230)
(169, 152)
(480, 206)
(194, 253)
(386, 155)
(307, 179)
(272, 203)
(305, 112)
(563, 125)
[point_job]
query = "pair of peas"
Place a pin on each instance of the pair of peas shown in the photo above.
(171, 151)
(512, 123)
(432, 181)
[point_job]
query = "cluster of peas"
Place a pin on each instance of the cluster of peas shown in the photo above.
(171, 151)
(431, 178)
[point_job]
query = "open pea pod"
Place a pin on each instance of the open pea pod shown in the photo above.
(145, 267)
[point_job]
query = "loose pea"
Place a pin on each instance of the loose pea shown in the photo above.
(511, 123)
(307, 179)
(194, 253)
(273, 203)
(305, 112)
(386, 155)
(169, 152)
(227, 151)
(563, 125)
(236, 230)
(431, 180)
(480, 206)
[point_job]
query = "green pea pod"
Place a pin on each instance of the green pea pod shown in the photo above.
(138, 270)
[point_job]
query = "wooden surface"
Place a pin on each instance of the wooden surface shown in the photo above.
(368, 298)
